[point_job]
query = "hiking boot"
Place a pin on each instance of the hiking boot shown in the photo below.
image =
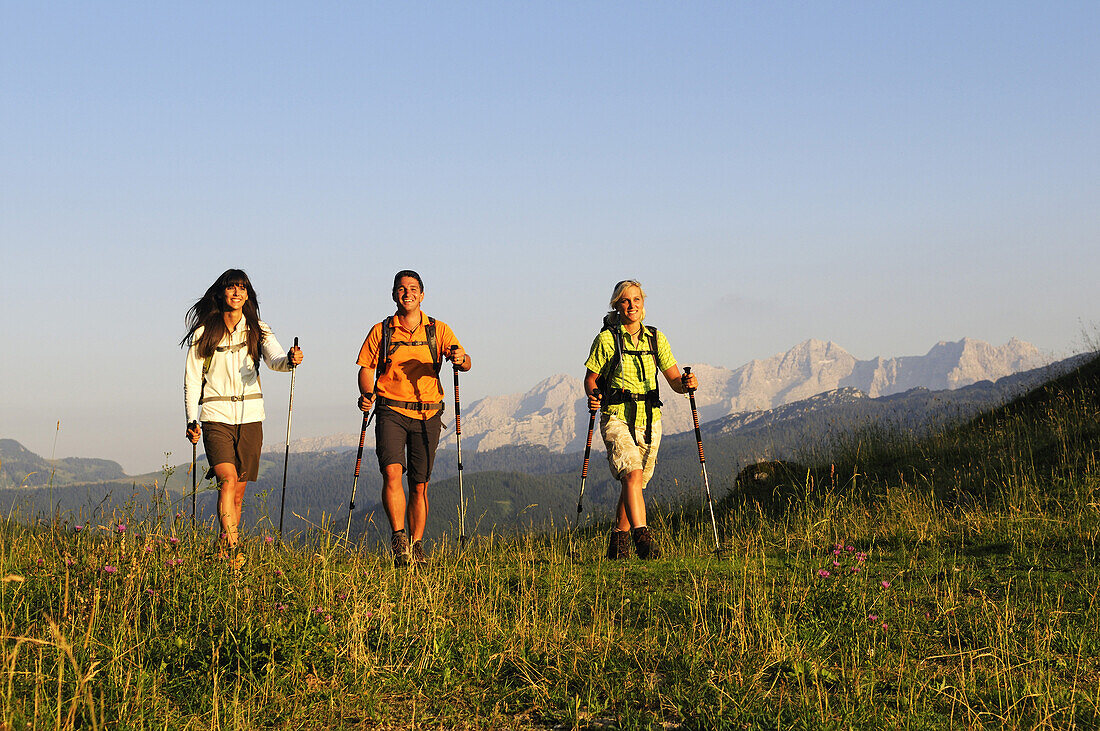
(618, 545)
(399, 542)
(418, 556)
(645, 545)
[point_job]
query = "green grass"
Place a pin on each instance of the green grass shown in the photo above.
(961, 592)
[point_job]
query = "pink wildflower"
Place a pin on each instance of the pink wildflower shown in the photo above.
(823, 573)
(78, 528)
(873, 617)
(110, 569)
(121, 528)
(173, 540)
(884, 584)
(268, 539)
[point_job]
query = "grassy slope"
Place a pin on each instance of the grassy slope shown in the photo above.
(973, 605)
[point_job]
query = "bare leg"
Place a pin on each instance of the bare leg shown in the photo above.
(393, 496)
(230, 498)
(631, 509)
(418, 511)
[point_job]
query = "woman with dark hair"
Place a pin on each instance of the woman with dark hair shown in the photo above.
(221, 388)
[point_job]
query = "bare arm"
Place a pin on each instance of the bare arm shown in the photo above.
(681, 383)
(366, 388)
(591, 389)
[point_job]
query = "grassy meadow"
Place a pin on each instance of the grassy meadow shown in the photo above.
(937, 583)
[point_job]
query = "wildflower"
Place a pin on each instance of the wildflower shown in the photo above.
(148, 549)
(851, 548)
(278, 572)
(835, 562)
(268, 539)
(78, 528)
(873, 617)
(823, 573)
(280, 607)
(861, 557)
(328, 617)
(884, 625)
(120, 528)
(110, 569)
(317, 610)
(884, 584)
(173, 540)
(341, 597)
(855, 569)
(41, 563)
(69, 561)
(836, 551)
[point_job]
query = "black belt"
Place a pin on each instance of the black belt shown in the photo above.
(619, 396)
(411, 405)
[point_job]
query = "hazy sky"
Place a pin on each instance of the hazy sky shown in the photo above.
(883, 175)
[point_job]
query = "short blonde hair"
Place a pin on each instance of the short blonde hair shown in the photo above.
(621, 287)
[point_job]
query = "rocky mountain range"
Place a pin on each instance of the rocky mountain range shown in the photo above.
(553, 413)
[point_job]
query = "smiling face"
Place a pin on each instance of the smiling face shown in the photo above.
(408, 295)
(631, 306)
(236, 294)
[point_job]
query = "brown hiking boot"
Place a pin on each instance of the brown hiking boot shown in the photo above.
(618, 545)
(418, 556)
(399, 542)
(645, 545)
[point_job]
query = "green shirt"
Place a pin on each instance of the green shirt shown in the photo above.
(629, 376)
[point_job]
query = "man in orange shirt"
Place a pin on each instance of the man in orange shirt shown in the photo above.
(399, 369)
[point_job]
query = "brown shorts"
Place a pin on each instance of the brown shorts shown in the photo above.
(396, 435)
(236, 444)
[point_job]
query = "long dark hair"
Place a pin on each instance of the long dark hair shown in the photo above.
(209, 313)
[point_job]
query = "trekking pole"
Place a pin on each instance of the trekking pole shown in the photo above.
(703, 465)
(587, 454)
(286, 457)
(458, 444)
(358, 461)
(194, 477)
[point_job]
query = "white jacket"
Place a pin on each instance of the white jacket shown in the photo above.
(232, 391)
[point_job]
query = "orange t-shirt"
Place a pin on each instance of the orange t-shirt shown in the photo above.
(411, 375)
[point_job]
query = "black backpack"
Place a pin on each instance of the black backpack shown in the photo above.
(611, 396)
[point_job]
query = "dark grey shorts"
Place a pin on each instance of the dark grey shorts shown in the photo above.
(396, 434)
(237, 444)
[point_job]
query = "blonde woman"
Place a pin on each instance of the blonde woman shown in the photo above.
(621, 382)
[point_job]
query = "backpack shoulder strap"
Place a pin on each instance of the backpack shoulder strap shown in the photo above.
(433, 345)
(384, 349)
(614, 363)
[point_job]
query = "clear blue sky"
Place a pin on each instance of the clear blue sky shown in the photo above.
(883, 175)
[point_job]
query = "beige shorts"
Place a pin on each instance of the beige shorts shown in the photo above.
(627, 453)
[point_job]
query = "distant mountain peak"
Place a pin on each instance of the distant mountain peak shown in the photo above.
(553, 414)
